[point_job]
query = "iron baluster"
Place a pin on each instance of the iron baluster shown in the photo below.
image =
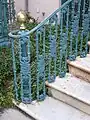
(67, 25)
(14, 70)
(0, 19)
(44, 33)
(29, 58)
(72, 56)
(56, 36)
(5, 27)
(10, 10)
(77, 33)
(13, 11)
(37, 62)
(49, 74)
(61, 74)
(40, 67)
(82, 54)
(86, 29)
(52, 49)
(87, 33)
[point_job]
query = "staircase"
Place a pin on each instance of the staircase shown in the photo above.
(68, 98)
(57, 49)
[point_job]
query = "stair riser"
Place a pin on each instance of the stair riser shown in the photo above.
(69, 100)
(79, 73)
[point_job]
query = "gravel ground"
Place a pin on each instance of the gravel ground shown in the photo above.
(13, 114)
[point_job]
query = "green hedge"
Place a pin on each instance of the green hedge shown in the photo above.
(6, 73)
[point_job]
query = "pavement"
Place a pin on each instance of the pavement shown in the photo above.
(13, 114)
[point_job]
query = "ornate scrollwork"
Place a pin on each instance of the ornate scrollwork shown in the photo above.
(53, 19)
(41, 66)
(62, 74)
(85, 24)
(64, 10)
(83, 54)
(40, 30)
(75, 26)
(25, 69)
(52, 46)
(63, 54)
(51, 78)
(41, 77)
(24, 65)
(64, 43)
(23, 39)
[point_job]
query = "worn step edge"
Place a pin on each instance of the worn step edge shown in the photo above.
(25, 110)
(68, 98)
(78, 69)
(74, 102)
(84, 75)
(51, 109)
(83, 68)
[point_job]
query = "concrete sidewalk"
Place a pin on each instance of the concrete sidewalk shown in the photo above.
(13, 114)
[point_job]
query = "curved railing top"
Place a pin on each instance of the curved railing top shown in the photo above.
(11, 34)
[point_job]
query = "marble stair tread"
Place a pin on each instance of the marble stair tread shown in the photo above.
(73, 87)
(81, 63)
(52, 109)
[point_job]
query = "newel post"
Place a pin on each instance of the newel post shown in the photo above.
(24, 56)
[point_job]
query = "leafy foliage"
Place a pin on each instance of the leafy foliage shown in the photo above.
(6, 73)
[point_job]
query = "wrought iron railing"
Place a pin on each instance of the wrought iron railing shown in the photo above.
(7, 16)
(42, 53)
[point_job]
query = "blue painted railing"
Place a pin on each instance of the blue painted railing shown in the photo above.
(7, 16)
(61, 36)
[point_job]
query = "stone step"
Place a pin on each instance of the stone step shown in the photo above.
(72, 91)
(80, 67)
(51, 109)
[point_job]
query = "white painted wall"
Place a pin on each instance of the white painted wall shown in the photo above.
(37, 7)
(19, 4)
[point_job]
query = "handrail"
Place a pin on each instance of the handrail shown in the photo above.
(39, 25)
